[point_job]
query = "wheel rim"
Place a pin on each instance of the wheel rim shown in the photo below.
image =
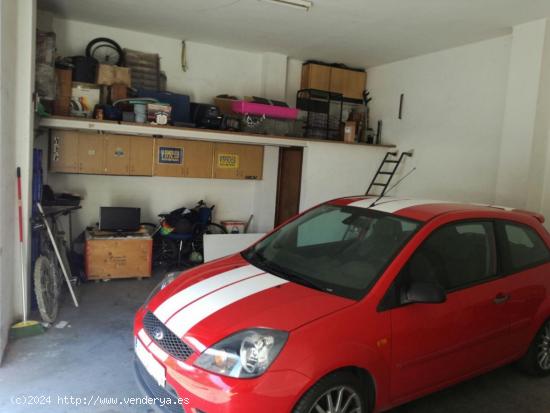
(543, 356)
(340, 399)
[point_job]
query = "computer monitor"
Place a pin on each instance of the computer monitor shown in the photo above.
(119, 219)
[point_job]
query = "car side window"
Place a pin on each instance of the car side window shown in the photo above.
(454, 256)
(522, 247)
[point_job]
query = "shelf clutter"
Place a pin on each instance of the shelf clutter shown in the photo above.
(112, 83)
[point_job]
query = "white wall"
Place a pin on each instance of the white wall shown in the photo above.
(211, 70)
(332, 170)
(452, 118)
(16, 85)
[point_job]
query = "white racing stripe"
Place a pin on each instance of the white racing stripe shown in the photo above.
(202, 288)
(157, 351)
(196, 312)
(144, 337)
(391, 205)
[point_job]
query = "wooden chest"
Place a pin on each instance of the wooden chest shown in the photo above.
(112, 256)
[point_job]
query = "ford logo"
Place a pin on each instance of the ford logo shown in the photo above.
(158, 334)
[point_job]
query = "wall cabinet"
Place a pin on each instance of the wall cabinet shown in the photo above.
(350, 83)
(236, 161)
(111, 154)
(141, 156)
(90, 153)
(182, 158)
(117, 154)
(63, 151)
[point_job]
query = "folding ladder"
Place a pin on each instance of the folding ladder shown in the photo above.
(387, 170)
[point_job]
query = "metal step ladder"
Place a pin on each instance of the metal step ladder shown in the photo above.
(387, 170)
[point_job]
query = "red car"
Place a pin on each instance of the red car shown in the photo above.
(357, 305)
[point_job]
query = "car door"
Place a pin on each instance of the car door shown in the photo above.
(436, 344)
(525, 264)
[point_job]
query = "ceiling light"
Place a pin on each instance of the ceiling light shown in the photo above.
(295, 4)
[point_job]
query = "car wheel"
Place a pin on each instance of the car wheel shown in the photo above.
(537, 360)
(340, 392)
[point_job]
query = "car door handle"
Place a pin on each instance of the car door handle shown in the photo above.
(501, 298)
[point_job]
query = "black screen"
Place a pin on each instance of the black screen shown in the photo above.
(119, 219)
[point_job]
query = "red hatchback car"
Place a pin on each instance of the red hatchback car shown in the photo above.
(357, 305)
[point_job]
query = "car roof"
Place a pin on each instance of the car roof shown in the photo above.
(427, 209)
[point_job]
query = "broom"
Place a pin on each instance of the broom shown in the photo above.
(25, 328)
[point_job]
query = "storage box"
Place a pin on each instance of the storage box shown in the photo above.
(110, 75)
(224, 105)
(111, 256)
(180, 104)
(234, 227)
(118, 91)
(84, 98)
(349, 131)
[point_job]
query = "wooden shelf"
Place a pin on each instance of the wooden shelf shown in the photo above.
(83, 124)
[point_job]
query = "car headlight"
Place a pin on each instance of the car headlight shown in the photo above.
(168, 278)
(245, 354)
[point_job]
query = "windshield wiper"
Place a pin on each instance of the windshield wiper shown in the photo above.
(257, 258)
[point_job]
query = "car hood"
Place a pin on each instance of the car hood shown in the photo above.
(213, 301)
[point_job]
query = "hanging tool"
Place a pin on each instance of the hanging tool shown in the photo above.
(387, 168)
(26, 327)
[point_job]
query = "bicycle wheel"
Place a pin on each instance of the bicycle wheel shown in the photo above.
(46, 287)
(212, 228)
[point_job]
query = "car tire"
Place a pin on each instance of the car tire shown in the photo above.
(335, 390)
(537, 360)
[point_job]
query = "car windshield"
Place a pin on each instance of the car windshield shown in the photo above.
(338, 249)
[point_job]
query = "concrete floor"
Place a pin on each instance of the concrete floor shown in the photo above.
(94, 358)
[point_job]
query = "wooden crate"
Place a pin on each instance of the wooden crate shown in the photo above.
(110, 256)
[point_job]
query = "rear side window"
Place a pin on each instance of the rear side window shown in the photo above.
(523, 247)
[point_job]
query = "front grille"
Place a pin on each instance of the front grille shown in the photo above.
(169, 342)
(158, 393)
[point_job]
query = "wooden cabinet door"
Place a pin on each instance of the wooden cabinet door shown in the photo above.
(355, 84)
(338, 80)
(169, 157)
(236, 161)
(252, 162)
(198, 159)
(117, 155)
(141, 156)
(315, 77)
(227, 160)
(63, 151)
(90, 153)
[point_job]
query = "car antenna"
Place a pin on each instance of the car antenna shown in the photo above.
(392, 187)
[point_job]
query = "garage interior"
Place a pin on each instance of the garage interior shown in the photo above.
(275, 109)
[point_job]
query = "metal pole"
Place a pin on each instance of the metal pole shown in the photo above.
(57, 254)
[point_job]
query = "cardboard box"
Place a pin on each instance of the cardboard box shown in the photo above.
(62, 106)
(110, 256)
(64, 78)
(118, 91)
(159, 113)
(110, 75)
(224, 105)
(349, 131)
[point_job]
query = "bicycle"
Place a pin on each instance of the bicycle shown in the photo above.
(52, 264)
(171, 244)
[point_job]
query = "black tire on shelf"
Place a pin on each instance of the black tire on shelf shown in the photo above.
(536, 361)
(341, 383)
(47, 286)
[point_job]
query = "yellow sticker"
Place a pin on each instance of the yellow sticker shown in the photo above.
(228, 161)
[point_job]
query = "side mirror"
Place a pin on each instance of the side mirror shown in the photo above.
(423, 292)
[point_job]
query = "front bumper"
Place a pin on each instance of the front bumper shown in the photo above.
(199, 391)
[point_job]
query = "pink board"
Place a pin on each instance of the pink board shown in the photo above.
(251, 108)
